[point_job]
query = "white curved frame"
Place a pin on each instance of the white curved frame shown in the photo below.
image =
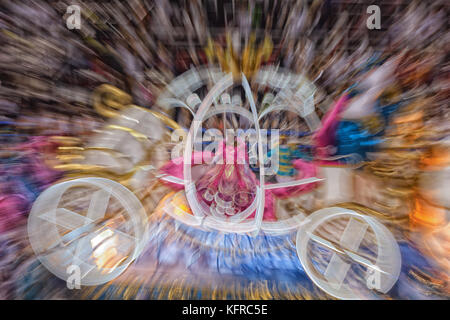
(264, 76)
(230, 224)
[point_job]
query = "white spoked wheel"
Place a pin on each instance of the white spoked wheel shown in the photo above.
(94, 226)
(348, 255)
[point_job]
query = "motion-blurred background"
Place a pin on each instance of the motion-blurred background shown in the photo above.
(396, 79)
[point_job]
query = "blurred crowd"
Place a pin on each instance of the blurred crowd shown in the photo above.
(396, 80)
